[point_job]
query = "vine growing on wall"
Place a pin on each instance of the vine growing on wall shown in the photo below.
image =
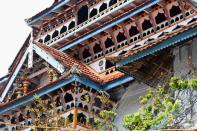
(163, 107)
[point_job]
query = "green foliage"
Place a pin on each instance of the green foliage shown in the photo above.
(107, 114)
(157, 105)
(107, 124)
(181, 84)
(159, 108)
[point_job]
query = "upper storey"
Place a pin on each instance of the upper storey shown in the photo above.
(70, 17)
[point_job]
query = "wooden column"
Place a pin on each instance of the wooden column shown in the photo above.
(75, 121)
(75, 113)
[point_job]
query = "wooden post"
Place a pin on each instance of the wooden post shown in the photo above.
(75, 113)
(75, 121)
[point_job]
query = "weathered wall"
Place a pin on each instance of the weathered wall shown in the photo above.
(129, 102)
(185, 60)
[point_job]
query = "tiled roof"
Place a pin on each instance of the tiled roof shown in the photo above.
(154, 42)
(68, 61)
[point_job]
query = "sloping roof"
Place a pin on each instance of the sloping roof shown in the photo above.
(68, 61)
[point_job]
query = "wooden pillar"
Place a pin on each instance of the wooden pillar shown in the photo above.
(75, 121)
(75, 113)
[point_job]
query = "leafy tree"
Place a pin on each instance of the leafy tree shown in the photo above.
(163, 107)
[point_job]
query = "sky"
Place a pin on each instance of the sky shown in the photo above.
(13, 29)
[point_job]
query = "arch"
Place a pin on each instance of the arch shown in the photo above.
(40, 40)
(108, 64)
(97, 48)
(112, 2)
(120, 37)
(81, 118)
(70, 117)
(67, 107)
(108, 43)
(68, 98)
(58, 101)
(175, 10)
(82, 14)
(80, 105)
(146, 24)
(63, 29)
(55, 34)
(93, 12)
(86, 53)
(133, 31)
(13, 129)
(103, 7)
(47, 38)
(160, 18)
(72, 105)
(86, 107)
(13, 120)
(97, 102)
(71, 25)
(21, 118)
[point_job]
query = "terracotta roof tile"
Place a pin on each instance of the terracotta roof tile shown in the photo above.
(68, 61)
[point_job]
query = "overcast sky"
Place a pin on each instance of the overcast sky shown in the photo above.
(13, 29)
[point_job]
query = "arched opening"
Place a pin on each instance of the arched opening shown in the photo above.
(55, 34)
(67, 107)
(63, 29)
(72, 105)
(47, 38)
(103, 7)
(146, 24)
(86, 107)
(80, 105)
(13, 120)
(70, 117)
(13, 129)
(175, 10)
(68, 98)
(40, 40)
(93, 12)
(82, 14)
(160, 18)
(120, 37)
(58, 102)
(108, 43)
(108, 64)
(112, 2)
(81, 118)
(86, 53)
(21, 118)
(97, 48)
(97, 102)
(133, 31)
(71, 25)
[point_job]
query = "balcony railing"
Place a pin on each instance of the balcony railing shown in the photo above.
(90, 21)
(139, 37)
